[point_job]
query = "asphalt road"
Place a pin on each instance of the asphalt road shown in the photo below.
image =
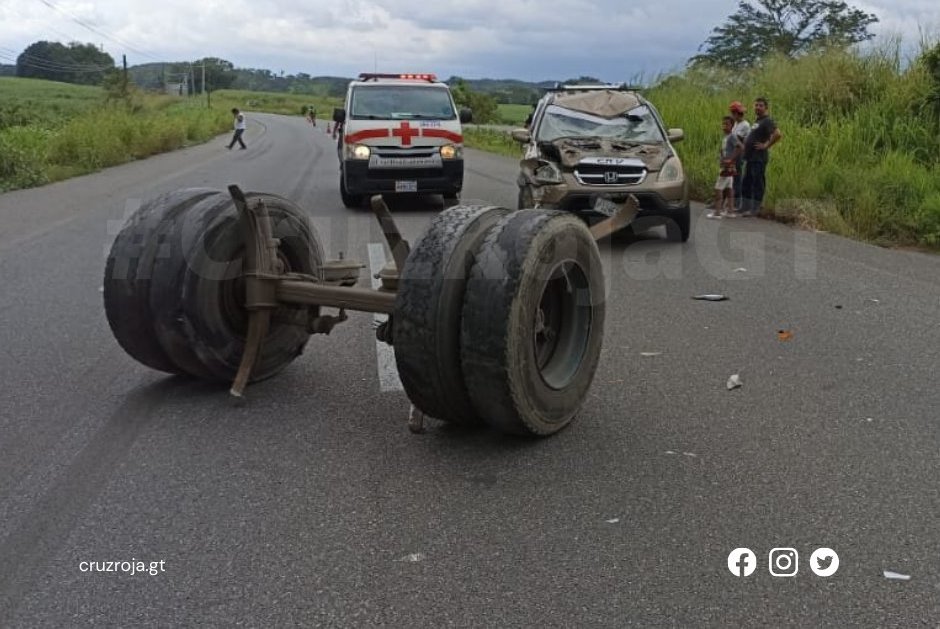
(310, 503)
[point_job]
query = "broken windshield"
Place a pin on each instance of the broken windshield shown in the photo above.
(636, 125)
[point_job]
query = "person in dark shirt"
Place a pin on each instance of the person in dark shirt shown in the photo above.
(764, 134)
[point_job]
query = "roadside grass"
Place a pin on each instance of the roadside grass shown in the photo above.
(860, 148)
(275, 103)
(66, 130)
(491, 140)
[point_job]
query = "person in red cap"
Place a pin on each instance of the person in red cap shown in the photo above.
(740, 130)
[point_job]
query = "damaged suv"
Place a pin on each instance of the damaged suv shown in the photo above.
(591, 143)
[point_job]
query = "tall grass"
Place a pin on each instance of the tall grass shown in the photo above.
(66, 130)
(860, 150)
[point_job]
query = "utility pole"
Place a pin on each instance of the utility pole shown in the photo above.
(124, 89)
(204, 78)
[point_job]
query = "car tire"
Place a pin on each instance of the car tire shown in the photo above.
(533, 322)
(526, 201)
(679, 225)
(451, 199)
(351, 201)
(428, 308)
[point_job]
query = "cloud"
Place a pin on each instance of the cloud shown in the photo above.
(525, 39)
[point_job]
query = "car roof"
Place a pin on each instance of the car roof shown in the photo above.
(605, 103)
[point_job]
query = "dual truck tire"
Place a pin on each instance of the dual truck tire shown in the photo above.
(498, 319)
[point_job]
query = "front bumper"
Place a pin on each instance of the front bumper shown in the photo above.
(360, 179)
(655, 199)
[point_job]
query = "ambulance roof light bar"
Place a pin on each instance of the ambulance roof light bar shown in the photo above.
(373, 76)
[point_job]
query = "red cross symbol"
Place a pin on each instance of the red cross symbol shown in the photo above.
(405, 132)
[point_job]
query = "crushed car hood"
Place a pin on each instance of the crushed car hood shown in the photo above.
(572, 150)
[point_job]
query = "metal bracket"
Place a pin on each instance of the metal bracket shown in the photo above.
(399, 246)
(261, 281)
(618, 216)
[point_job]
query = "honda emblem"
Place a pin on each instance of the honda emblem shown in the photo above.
(611, 177)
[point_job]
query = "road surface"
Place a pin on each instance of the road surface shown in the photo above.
(310, 503)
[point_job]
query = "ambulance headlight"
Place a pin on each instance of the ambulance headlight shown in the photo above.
(360, 151)
(449, 151)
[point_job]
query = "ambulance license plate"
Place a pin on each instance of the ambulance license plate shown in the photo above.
(406, 186)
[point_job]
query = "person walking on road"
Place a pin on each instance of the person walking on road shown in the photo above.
(239, 129)
(763, 135)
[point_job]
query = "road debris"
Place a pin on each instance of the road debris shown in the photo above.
(838, 306)
(691, 454)
(784, 335)
(413, 558)
(740, 269)
(415, 421)
(670, 452)
(896, 576)
(613, 520)
(734, 382)
(711, 297)
(649, 354)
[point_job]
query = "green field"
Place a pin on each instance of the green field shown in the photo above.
(513, 114)
(860, 153)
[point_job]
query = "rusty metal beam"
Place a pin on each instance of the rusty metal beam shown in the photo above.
(314, 294)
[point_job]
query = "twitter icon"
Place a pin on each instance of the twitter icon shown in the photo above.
(824, 562)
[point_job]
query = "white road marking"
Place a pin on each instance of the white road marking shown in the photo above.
(384, 354)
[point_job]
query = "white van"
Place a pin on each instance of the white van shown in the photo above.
(399, 133)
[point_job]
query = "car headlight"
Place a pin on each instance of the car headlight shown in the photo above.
(548, 173)
(450, 151)
(671, 171)
(358, 151)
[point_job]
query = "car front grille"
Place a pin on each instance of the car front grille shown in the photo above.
(594, 171)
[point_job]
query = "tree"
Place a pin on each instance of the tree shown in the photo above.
(220, 74)
(75, 63)
(484, 107)
(788, 27)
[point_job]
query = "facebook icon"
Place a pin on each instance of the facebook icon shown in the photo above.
(742, 562)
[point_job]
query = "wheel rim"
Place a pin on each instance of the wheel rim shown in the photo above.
(562, 326)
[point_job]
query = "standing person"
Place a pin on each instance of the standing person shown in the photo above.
(740, 130)
(239, 129)
(724, 186)
(763, 135)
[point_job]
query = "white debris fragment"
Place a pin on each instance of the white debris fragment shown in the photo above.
(689, 454)
(734, 382)
(413, 558)
(711, 297)
(869, 419)
(896, 576)
(648, 354)
(613, 520)
(101, 289)
(670, 452)
(740, 269)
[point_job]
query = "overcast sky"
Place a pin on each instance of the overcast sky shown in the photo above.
(524, 39)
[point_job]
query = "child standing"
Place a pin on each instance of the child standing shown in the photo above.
(724, 186)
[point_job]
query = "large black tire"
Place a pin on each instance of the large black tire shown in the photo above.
(533, 322)
(129, 271)
(195, 295)
(352, 201)
(426, 323)
(679, 225)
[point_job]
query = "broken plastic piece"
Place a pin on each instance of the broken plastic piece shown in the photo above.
(413, 557)
(648, 354)
(897, 576)
(613, 520)
(711, 297)
(784, 335)
(734, 382)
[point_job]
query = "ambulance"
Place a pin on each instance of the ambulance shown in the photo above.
(399, 134)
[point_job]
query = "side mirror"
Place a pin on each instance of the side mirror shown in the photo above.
(339, 114)
(523, 136)
(465, 115)
(676, 135)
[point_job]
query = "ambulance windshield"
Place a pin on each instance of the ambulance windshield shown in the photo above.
(399, 102)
